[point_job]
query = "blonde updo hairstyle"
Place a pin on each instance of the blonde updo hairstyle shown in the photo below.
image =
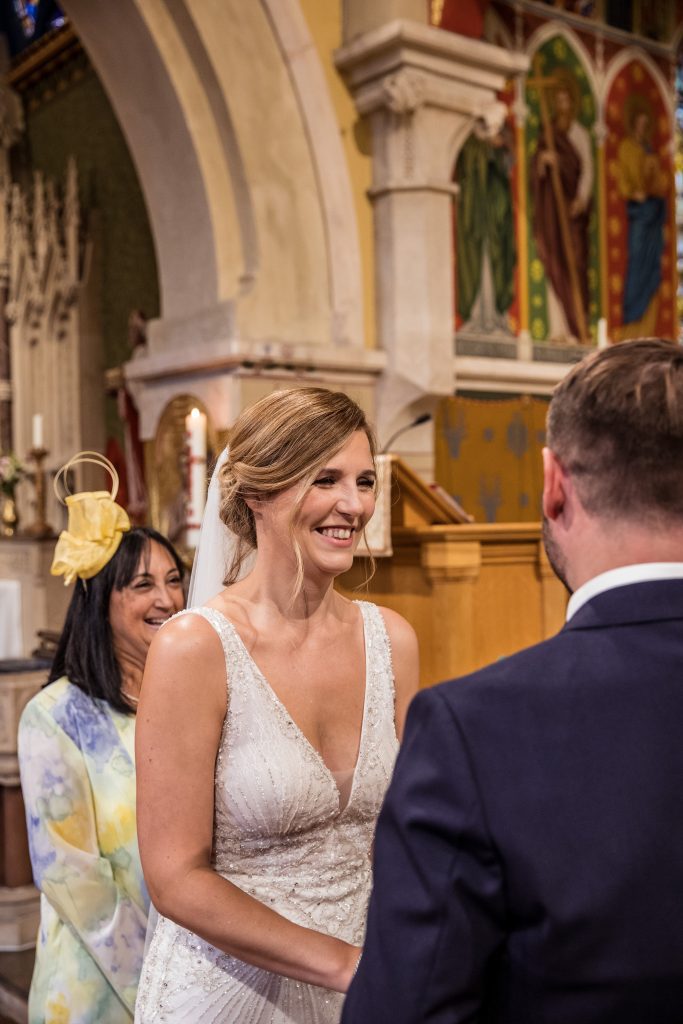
(282, 440)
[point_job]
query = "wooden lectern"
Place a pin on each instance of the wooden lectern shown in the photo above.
(474, 592)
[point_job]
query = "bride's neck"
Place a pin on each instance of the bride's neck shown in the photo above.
(267, 587)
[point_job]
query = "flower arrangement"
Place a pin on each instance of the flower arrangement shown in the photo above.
(11, 472)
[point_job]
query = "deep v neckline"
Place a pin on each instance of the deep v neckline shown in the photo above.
(291, 721)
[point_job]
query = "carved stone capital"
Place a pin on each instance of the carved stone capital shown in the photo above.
(404, 92)
(422, 88)
(493, 116)
(410, 64)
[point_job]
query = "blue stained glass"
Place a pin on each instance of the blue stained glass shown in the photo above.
(35, 17)
(27, 14)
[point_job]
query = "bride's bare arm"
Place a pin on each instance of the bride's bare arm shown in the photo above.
(405, 660)
(178, 730)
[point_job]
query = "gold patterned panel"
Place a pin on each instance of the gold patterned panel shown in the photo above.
(488, 456)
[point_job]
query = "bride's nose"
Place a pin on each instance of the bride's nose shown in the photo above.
(350, 501)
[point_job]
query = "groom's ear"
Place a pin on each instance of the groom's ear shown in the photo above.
(554, 485)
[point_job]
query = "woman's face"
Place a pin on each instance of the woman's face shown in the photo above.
(152, 596)
(330, 520)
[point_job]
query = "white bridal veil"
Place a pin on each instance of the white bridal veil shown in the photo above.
(215, 546)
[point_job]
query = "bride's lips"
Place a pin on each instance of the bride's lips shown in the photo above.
(338, 536)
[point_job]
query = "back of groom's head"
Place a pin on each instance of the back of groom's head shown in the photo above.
(616, 425)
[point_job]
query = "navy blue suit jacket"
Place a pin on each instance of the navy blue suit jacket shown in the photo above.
(529, 854)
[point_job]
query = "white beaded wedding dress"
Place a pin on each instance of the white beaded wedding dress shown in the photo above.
(286, 833)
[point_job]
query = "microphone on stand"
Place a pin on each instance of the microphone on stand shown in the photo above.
(424, 417)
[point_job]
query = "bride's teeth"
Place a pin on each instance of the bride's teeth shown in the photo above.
(339, 534)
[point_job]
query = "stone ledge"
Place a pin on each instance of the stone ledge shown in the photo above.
(479, 373)
(216, 356)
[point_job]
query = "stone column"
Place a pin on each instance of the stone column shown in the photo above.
(360, 16)
(421, 89)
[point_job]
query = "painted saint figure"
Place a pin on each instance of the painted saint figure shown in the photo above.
(485, 232)
(565, 152)
(643, 184)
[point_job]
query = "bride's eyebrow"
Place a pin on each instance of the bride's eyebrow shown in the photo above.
(337, 472)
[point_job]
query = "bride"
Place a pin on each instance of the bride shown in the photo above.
(267, 732)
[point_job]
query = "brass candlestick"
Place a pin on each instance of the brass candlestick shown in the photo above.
(40, 526)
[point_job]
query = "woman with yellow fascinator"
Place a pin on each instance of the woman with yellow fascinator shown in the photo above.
(76, 754)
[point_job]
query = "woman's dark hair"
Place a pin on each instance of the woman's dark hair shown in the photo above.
(85, 653)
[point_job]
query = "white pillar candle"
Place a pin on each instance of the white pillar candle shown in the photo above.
(603, 340)
(195, 436)
(37, 430)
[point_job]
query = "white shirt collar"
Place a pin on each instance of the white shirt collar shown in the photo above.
(625, 574)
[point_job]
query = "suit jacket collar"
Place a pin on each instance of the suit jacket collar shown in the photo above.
(651, 601)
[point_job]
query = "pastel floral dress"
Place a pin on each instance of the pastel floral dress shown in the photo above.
(76, 757)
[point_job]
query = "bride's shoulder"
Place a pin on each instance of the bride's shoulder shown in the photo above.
(186, 649)
(399, 630)
(402, 636)
(185, 632)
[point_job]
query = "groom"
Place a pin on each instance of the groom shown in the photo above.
(529, 856)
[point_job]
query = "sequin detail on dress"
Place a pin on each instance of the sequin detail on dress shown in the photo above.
(281, 835)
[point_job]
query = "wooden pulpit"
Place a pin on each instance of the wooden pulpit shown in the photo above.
(473, 592)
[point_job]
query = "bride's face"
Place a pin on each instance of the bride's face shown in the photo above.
(329, 522)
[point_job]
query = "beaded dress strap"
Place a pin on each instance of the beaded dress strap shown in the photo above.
(381, 673)
(227, 633)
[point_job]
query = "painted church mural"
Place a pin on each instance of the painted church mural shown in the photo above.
(565, 225)
(563, 265)
(640, 227)
(486, 265)
(564, 221)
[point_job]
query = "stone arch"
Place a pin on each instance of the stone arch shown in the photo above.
(262, 245)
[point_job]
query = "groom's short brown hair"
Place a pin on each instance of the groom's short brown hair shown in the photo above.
(616, 424)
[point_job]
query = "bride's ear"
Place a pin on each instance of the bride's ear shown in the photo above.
(255, 503)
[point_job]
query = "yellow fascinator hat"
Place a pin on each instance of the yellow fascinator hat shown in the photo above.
(96, 524)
